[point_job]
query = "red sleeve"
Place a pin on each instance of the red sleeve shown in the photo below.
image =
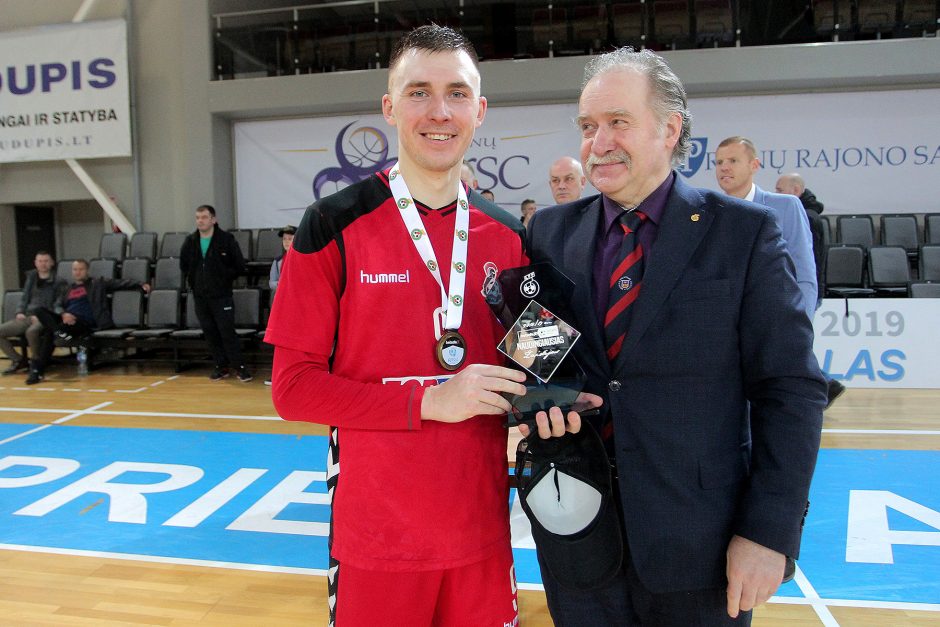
(302, 327)
(304, 389)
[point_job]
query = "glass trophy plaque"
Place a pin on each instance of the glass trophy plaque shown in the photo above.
(531, 303)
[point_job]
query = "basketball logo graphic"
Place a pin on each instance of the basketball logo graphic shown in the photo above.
(462, 235)
(530, 287)
(457, 300)
(416, 234)
(463, 204)
(432, 265)
(403, 203)
(459, 267)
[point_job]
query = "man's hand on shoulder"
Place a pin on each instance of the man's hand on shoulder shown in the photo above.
(473, 391)
(754, 574)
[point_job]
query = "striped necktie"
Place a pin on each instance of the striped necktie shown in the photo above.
(625, 282)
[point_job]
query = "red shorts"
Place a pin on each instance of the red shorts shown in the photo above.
(482, 594)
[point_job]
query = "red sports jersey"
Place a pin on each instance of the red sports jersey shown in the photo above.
(353, 324)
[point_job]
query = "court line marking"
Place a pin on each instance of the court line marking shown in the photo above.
(256, 417)
(62, 420)
(885, 605)
(49, 389)
(813, 597)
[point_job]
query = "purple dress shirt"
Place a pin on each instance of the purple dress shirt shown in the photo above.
(610, 238)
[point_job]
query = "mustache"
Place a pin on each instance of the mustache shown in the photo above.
(618, 156)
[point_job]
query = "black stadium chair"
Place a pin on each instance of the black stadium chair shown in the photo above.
(247, 311)
(889, 270)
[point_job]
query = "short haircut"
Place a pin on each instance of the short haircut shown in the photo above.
(527, 201)
(432, 38)
(208, 208)
(84, 262)
(666, 90)
(738, 139)
(44, 252)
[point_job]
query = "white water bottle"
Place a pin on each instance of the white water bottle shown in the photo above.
(82, 361)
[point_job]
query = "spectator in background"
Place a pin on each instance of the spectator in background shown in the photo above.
(211, 260)
(287, 236)
(488, 194)
(566, 178)
(793, 185)
(736, 163)
(80, 309)
(468, 175)
(39, 293)
(527, 209)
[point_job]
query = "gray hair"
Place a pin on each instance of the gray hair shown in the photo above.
(667, 93)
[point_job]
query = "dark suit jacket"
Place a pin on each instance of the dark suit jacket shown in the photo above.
(716, 396)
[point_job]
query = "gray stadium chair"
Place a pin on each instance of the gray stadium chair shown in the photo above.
(900, 230)
(191, 329)
(889, 270)
(845, 272)
(102, 268)
(112, 246)
(244, 238)
(172, 243)
(63, 270)
(11, 300)
(856, 231)
(143, 244)
(268, 246)
(247, 311)
(137, 269)
(929, 262)
(932, 228)
(163, 315)
(127, 312)
(167, 275)
(924, 289)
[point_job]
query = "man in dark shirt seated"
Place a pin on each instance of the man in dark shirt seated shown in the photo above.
(80, 309)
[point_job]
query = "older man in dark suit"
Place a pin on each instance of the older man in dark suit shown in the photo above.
(694, 334)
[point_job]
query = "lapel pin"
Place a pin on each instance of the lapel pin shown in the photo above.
(695, 217)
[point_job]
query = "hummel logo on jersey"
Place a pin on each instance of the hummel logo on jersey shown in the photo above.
(385, 277)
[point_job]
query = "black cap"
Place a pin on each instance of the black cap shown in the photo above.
(566, 490)
(289, 229)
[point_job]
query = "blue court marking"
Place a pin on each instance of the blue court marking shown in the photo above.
(83, 523)
(290, 532)
(9, 430)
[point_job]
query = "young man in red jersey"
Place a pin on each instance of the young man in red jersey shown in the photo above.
(381, 331)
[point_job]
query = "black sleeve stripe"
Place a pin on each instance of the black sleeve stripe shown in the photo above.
(326, 219)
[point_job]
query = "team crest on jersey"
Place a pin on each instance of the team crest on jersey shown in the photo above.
(417, 234)
(462, 235)
(490, 271)
(625, 284)
(403, 203)
(457, 299)
(432, 265)
(459, 267)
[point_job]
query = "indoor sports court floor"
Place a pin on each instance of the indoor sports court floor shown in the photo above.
(136, 496)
